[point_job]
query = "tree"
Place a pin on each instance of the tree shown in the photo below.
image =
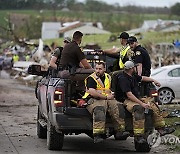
(175, 9)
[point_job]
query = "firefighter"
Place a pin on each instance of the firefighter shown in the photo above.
(100, 99)
(128, 93)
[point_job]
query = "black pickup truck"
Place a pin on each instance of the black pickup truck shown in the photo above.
(58, 113)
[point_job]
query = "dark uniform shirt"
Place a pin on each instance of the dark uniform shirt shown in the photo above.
(71, 55)
(126, 84)
(142, 56)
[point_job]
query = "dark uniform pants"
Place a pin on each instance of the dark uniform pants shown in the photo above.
(138, 115)
(144, 89)
(98, 109)
(80, 74)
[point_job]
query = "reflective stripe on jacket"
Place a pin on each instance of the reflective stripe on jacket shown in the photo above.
(122, 55)
(101, 87)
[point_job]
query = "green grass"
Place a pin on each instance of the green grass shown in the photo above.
(157, 37)
(148, 39)
(112, 21)
(102, 40)
(171, 121)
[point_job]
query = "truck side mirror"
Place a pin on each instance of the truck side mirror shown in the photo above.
(35, 70)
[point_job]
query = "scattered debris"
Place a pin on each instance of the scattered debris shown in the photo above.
(174, 113)
(177, 123)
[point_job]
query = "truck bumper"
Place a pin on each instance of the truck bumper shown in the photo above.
(72, 119)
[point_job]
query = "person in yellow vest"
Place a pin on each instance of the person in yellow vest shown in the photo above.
(100, 100)
(123, 54)
(27, 57)
(15, 58)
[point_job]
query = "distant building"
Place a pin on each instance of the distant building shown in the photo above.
(65, 9)
(85, 28)
(50, 30)
(157, 25)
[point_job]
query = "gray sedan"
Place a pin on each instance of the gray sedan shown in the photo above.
(169, 77)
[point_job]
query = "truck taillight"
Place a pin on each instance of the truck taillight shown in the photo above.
(153, 93)
(58, 97)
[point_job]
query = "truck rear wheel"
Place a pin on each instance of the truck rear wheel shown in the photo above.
(54, 139)
(41, 131)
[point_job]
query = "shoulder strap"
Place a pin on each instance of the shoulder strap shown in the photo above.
(97, 79)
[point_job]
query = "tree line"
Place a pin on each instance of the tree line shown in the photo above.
(88, 5)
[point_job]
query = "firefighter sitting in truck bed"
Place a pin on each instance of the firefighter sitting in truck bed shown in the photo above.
(100, 100)
(128, 93)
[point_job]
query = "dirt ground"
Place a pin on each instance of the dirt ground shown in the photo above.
(18, 108)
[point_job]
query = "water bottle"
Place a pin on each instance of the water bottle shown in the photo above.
(146, 111)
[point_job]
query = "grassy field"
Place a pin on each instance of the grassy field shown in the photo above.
(171, 121)
(102, 40)
(111, 21)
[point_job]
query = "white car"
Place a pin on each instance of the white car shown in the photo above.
(169, 77)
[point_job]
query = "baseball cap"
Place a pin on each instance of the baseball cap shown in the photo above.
(124, 35)
(67, 39)
(129, 65)
(132, 39)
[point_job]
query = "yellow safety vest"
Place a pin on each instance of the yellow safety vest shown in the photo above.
(101, 88)
(27, 58)
(123, 52)
(15, 58)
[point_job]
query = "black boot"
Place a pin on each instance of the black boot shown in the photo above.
(122, 134)
(140, 139)
(98, 138)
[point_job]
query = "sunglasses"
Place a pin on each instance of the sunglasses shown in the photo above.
(66, 41)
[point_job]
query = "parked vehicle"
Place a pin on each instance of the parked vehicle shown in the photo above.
(169, 77)
(164, 48)
(6, 62)
(59, 115)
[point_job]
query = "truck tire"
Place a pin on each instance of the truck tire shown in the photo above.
(54, 139)
(41, 131)
(145, 147)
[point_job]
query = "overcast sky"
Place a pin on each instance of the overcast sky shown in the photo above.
(154, 3)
